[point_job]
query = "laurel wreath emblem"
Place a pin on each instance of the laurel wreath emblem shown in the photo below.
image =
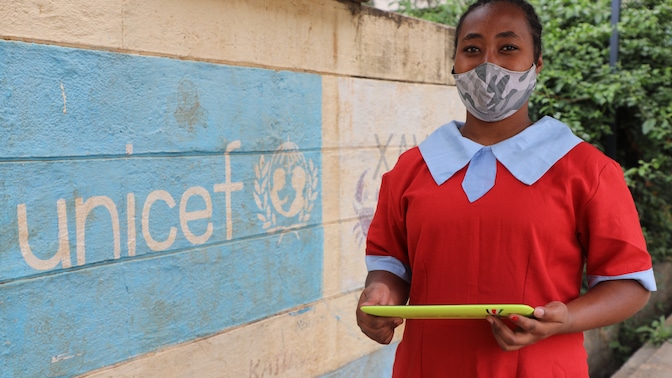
(268, 216)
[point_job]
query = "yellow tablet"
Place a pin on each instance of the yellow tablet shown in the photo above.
(477, 311)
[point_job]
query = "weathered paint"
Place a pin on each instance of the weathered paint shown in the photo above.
(149, 201)
(328, 36)
(294, 344)
(63, 102)
(81, 320)
(376, 364)
(120, 138)
(378, 120)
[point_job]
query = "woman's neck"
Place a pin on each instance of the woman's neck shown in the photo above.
(489, 133)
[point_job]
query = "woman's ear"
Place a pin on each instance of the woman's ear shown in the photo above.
(540, 64)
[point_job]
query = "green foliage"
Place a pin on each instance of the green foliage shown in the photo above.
(646, 111)
(656, 333)
(636, 331)
(579, 87)
(628, 341)
(447, 13)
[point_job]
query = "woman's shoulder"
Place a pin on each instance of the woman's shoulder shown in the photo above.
(589, 157)
(409, 167)
(586, 169)
(408, 162)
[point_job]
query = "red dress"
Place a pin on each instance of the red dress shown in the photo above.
(517, 244)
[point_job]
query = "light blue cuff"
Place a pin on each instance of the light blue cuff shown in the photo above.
(645, 278)
(389, 264)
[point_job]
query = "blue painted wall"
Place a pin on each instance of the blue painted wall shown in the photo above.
(375, 365)
(148, 201)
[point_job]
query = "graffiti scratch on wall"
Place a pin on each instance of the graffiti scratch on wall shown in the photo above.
(366, 190)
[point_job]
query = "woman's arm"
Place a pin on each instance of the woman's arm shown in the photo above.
(381, 288)
(609, 302)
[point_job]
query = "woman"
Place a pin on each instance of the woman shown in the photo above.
(499, 209)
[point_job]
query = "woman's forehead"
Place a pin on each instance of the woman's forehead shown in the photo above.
(498, 18)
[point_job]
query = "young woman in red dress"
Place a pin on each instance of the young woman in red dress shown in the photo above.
(500, 209)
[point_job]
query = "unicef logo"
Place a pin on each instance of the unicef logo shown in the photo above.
(285, 189)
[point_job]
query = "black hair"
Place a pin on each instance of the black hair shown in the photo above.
(531, 15)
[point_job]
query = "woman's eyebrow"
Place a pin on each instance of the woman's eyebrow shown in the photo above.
(506, 34)
(471, 36)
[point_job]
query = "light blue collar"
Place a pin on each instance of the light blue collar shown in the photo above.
(528, 155)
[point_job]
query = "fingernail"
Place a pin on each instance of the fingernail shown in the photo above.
(514, 318)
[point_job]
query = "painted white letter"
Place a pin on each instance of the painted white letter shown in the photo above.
(228, 187)
(130, 223)
(82, 210)
(151, 198)
(63, 253)
(186, 216)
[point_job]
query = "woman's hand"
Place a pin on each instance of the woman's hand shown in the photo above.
(548, 320)
(609, 302)
(382, 288)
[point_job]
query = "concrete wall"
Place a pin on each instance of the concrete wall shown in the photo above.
(185, 186)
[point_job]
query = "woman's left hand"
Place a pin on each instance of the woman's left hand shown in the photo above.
(608, 302)
(551, 319)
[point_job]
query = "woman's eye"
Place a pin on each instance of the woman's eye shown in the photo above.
(509, 48)
(471, 49)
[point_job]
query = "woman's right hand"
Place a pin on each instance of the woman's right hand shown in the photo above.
(382, 288)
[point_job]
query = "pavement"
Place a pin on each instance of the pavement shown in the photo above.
(649, 361)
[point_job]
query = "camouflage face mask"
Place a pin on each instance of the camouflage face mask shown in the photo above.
(492, 93)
